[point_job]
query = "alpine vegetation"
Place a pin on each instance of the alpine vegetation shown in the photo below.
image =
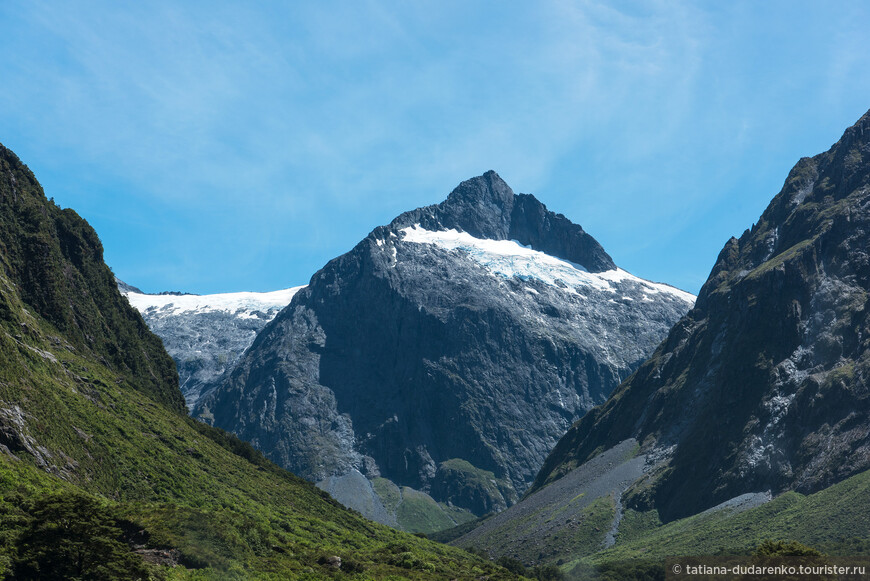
(103, 475)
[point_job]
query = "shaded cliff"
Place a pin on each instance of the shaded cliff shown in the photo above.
(763, 386)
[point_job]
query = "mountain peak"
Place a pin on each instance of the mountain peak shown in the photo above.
(485, 189)
(817, 190)
(862, 125)
(465, 310)
(486, 207)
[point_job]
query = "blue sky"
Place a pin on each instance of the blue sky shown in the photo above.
(223, 146)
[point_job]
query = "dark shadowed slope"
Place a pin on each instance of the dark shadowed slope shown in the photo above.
(763, 385)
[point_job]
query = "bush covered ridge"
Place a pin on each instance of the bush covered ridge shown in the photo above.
(54, 261)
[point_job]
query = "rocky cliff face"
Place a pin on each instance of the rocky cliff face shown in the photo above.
(206, 334)
(447, 351)
(763, 385)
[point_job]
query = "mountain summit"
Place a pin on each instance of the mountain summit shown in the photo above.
(486, 207)
(763, 386)
(446, 353)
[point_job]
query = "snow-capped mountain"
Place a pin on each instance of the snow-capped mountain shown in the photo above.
(446, 352)
(206, 334)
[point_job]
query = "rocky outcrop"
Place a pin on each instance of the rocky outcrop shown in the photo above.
(763, 386)
(462, 339)
(576, 515)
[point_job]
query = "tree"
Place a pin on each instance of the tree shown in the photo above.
(785, 549)
(792, 553)
(515, 566)
(547, 573)
(73, 536)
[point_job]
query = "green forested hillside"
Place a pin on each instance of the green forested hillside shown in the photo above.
(52, 261)
(836, 520)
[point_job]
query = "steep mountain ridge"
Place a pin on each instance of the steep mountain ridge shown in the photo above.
(763, 385)
(487, 208)
(54, 260)
(445, 347)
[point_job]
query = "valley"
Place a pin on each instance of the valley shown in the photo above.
(444, 355)
(434, 291)
(478, 370)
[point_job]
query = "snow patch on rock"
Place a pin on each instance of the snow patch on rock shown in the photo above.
(510, 259)
(241, 303)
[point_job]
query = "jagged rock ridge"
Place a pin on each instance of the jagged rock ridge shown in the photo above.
(763, 385)
(487, 208)
(443, 355)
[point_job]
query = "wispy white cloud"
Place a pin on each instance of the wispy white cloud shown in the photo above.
(279, 133)
(206, 89)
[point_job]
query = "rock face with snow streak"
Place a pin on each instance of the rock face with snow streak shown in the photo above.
(763, 386)
(447, 351)
(206, 334)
